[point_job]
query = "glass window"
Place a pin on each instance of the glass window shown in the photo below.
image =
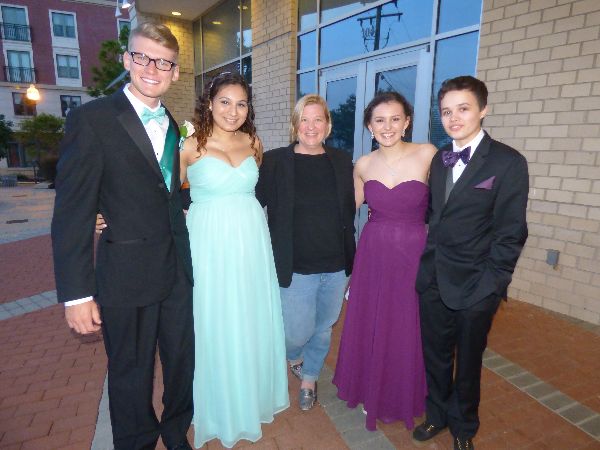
(208, 76)
(307, 48)
(341, 100)
(222, 42)
(330, 9)
(454, 16)
(14, 156)
(306, 84)
(22, 105)
(14, 15)
(384, 26)
(221, 33)
(19, 67)
(14, 24)
(403, 81)
(246, 26)
(67, 66)
(63, 25)
(197, 31)
(69, 102)
(307, 14)
(124, 24)
(247, 69)
(453, 57)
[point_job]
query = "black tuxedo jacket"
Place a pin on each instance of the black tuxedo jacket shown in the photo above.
(107, 165)
(476, 236)
(276, 189)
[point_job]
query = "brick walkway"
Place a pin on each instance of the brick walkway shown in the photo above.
(50, 383)
(27, 267)
(540, 387)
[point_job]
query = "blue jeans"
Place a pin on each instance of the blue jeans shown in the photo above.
(310, 306)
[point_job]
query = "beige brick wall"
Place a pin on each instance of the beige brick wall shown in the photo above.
(274, 26)
(181, 98)
(541, 62)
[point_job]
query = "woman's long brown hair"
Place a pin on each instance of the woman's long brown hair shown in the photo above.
(203, 119)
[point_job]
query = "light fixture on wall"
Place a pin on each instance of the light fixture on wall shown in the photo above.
(33, 94)
(125, 4)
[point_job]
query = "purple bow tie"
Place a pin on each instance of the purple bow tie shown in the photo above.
(450, 158)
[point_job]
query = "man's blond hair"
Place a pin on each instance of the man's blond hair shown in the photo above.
(157, 32)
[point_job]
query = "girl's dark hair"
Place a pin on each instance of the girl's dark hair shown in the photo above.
(388, 97)
(203, 120)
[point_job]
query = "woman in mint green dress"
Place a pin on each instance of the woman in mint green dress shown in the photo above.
(240, 378)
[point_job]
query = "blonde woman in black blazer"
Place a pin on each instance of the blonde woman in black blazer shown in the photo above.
(308, 191)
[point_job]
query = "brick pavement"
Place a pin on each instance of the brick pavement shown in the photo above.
(26, 268)
(51, 381)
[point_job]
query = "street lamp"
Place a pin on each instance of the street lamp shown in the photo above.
(34, 95)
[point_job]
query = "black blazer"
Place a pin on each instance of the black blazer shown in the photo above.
(476, 237)
(107, 165)
(275, 190)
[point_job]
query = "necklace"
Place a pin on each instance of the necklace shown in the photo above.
(390, 168)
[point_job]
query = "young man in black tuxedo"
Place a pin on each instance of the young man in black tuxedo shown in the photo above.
(120, 157)
(477, 230)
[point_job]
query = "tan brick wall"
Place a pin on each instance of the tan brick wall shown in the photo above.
(181, 98)
(274, 26)
(541, 62)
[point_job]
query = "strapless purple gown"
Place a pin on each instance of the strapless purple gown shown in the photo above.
(380, 362)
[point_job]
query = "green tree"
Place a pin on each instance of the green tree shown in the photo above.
(6, 134)
(110, 66)
(342, 118)
(41, 136)
(41, 133)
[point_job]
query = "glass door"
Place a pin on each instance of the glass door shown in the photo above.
(341, 87)
(350, 87)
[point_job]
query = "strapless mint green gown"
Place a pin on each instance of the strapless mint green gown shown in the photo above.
(240, 379)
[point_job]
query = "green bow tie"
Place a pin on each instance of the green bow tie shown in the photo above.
(157, 115)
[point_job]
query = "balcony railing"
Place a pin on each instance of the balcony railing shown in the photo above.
(15, 32)
(19, 74)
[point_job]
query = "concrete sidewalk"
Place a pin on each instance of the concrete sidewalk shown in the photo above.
(540, 384)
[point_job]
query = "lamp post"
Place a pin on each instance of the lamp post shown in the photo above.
(33, 94)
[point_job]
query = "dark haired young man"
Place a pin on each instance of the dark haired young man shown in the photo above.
(477, 230)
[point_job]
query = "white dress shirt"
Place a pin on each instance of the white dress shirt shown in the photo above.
(459, 167)
(157, 134)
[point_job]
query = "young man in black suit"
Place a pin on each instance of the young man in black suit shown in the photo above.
(477, 230)
(119, 157)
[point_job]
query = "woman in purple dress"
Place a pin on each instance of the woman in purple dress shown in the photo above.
(380, 362)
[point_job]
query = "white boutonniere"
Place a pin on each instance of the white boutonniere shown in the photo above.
(185, 131)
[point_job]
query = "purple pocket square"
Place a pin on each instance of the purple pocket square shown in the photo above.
(486, 184)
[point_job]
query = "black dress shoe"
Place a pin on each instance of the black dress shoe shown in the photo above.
(463, 444)
(426, 431)
(183, 445)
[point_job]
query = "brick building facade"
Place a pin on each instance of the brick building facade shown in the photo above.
(541, 62)
(52, 44)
